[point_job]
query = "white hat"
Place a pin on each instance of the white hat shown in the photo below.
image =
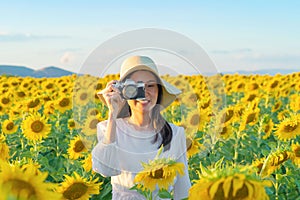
(136, 63)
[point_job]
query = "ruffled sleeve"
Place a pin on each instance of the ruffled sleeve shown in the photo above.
(104, 156)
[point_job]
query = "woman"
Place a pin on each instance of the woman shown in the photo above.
(135, 130)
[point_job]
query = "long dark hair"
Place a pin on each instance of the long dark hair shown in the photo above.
(160, 125)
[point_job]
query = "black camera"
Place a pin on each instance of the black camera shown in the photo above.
(130, 89)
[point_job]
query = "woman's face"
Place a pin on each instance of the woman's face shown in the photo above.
(151, 92)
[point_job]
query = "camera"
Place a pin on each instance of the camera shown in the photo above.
(130, 89)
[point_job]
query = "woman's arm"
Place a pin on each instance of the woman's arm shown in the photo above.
(105, 154)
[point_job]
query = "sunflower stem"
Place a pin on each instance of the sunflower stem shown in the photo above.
(236, 145)
(276, 186)
(260, 127)
(36, 151)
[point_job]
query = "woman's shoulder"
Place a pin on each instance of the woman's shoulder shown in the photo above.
(177, 130)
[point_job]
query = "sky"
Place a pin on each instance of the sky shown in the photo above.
(236, 35)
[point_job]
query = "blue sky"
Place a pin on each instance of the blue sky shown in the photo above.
(237, 35)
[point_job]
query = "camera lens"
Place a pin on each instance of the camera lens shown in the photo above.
(130, 91)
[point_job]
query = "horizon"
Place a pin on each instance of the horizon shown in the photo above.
(235, 35)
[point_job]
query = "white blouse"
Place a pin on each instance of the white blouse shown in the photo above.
(122, 159)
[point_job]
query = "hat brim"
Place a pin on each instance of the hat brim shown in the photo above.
(169, 93)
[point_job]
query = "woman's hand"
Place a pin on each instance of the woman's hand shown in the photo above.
(113, 99)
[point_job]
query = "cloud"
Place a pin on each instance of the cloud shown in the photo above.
(67, 57)
(20, 37)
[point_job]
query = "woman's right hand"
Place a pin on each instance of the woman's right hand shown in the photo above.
(113, 99)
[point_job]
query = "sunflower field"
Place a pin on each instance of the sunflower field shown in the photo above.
(243, 136)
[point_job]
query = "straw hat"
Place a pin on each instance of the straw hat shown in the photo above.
(136, 63)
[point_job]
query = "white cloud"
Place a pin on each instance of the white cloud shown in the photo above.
(67, 57)
(18, 37)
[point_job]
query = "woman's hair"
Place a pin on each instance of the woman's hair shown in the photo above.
(160, 125)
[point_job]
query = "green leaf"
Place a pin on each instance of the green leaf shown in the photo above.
(164, 194)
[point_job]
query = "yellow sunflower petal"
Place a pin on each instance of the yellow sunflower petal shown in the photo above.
(227, 186)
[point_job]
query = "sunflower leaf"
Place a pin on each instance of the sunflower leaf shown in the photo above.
(164, 194)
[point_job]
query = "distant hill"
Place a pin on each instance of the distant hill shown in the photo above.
(264, 71)
(58, 72)
(25, 71)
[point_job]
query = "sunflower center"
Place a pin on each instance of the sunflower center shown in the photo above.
(251, 97)
(49, 86)
(290, 128)
(79, 146)
(72, 124)
(253, 86)
(157, 174)
(34, 103)
(94, 112)
(267, 128)
(5, 100)
(205, 105)
(228, 115)
(241, 85)
(224, 131)
(20, 187)
(274, 84)
(188, 143)
(250, 118)
(21, 94)
(10, 126)
(64, 102)
(83, 96)
(195, 120)
(93, 124)
(242, 193)
(277, 106)
(75, 191)
(37, 126)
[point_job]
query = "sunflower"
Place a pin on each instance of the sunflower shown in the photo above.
(228, 183)
(160, 172)
(295, 102)
(26, 184)
(276, 106)
(193, 146)
(283, 114)
(289, 128)
(87, 163)
(268, 128)
(252, 86)
(250, 117)
(35, 127)
(296, 154)
(6, 100)
(90, 125)
(49, 108)
(225, 131)
(228, 115)
(4, 149)
(92, 112)
(82, 97)
(33, 105)
(267, 166)
(71, 124)
(77, 188)
(63, 104)
(9, 127)
(76, 148)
